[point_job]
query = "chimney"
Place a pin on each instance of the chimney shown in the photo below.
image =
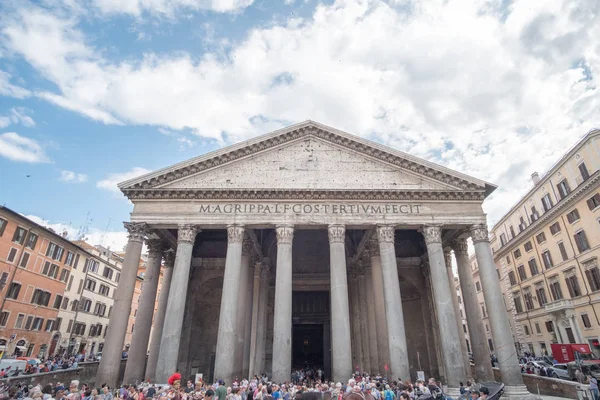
(535, 177)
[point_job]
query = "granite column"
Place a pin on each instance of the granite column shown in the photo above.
(383, 347)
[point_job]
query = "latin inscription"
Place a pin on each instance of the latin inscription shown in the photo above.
(306, 208)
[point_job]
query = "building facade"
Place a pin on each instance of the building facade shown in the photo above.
(276, 249)
(547, 248)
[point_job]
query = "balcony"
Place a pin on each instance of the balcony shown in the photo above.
(559, 306)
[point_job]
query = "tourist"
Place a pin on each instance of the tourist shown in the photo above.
(221, 391)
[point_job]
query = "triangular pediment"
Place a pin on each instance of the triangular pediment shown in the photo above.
(307, 156)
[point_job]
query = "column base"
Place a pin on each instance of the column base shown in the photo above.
(518, 392)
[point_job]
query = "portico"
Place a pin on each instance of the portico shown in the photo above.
(310, 221)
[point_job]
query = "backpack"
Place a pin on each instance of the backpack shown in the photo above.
(389, 395)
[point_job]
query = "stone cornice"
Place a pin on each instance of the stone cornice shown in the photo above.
(301, 194)
(366, 148)
(554, 212)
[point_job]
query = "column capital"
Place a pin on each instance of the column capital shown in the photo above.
(385, 233)
(247, 246)
(374, 248)
(448, 256)
(169, 256)
(285, 234)
(432, 234)
(337, 233)
(460, 247)
(187, 233)
(479, 233)
(137, 230)
(156, 246)
(235, 233)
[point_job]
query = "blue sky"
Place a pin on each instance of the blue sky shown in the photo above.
(96, 91)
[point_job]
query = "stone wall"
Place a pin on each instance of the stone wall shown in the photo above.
(549, 386)
(86, 373)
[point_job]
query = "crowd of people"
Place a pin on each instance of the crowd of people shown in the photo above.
(32, 366)
(307, 386)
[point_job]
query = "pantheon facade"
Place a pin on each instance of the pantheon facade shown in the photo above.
(308, 246)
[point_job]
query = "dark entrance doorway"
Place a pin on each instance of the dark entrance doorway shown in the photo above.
(307, 346)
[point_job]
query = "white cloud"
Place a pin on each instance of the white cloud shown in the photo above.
(70, 176)
(8, 89)
(112, 180)
(116, 240)
(168, 7)
(16, 116)
(19, 148)
(496, 93)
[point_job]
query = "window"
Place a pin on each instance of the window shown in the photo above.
(76, 261)
(40, 297)
(3, 280)
(528, 246)
(507, 260)
(105, 290)
(563, 188)
(584, 171)
(24, 260)
(49, 324)
(87, 305)
(79, 329)
(70, 283)
(57, 301)
(593, 277)
(483, 311)
(4, 318)
(37, 324)
(549, 326)
(70, 326)
(540, 238)
(31, 240)
(99, 309)
(512, 232)
(91, 265)
(512, 278)
(498, 273)
(19, 321)
(581, 241)
(573, 216)
(556, 291)
(555, 228)
(70, 258)
(478, 286)
(57, 324)
(586, 321)
(526, 329)
(75, 305)
(533, 268)
(522, 224)
(117, 278)
(90, 284)
(55, 251)
(13, 291)
(573, 286)
(107, 273)
(563, 251)
(537, 329)
(517, 253)
(3, 224)
(540, 293)
(502, 239)
(65, 303)
(522, 273)
(547, 258)
(12, 253)
(534, 214)
(80, 286)
(594, 201)
(547, 202)
(19, 236)
(528, 300)
(64, 275)
(518, 305)
(53, 271)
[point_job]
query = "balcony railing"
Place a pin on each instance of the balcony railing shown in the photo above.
(559, 305)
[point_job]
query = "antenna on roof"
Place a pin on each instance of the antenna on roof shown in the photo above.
(104, 233)
(83, 230)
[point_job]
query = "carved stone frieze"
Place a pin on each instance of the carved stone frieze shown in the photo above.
(187, 233)
(235, 233)
(385, 233)
(169, 257)
(432, 234)
(337, 233)
(479, 233)
(137, 231)
(460, 247)
(307, 130)
(285, 234)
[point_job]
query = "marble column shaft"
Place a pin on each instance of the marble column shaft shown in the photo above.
(450, 344)
(354, 324)
(364, 328)
(263, 314)
(171, 338)
(501, 332)
(159, 317)
(341, 347)
(372, 325)
(383, 347)
(398, 368)
(108, 370)
(282, 319)
(479, 346)
(227, 343)
(459, 324)
(134, 369)
(255, 320)
(242, 310)
(247, 317)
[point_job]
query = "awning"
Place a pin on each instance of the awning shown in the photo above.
(581, 348)
(21, 348)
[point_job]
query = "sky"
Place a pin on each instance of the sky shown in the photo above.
(94, 92)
